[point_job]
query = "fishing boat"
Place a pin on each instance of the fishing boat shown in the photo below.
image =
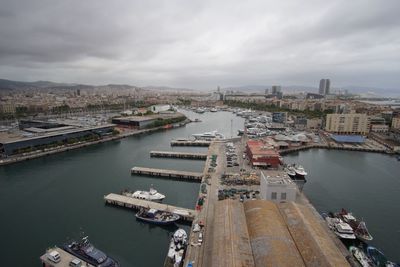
(151, 195)
(340, 228)
(379, 258)
(361, 257)
(156, 216)
(85, 251)
(359, 227)
(177, 248)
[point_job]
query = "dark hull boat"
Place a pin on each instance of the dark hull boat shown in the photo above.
(156, 217)
(85, 251)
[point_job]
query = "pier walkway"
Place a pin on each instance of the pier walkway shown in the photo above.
(179, 155)
(190, 143)
(134, 203)
(184, 175)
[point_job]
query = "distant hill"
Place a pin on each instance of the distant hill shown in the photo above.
(13, 85)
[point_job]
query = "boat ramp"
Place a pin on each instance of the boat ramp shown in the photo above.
(134, 203)
(184, 175)
(179, 155)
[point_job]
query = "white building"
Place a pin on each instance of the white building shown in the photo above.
(277, 186)
(159, 108)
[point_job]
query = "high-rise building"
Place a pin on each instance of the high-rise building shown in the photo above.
(276, 89)
(324, 86)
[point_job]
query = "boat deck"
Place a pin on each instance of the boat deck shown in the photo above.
(190, 143)
(134, 203)
(65, 257)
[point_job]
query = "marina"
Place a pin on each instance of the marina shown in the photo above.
(184, 175)
(137, 204)
(179, 155)
(328, 188)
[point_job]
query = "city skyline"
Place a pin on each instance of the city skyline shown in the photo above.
(201, 44)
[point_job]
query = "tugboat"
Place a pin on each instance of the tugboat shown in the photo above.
(340, 228)
(156, 216)
(85, 251)
(361, 257)
(151, 195)
(359, 227)
(177, 248)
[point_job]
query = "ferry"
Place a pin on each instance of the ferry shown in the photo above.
(85, 251)
(151, 195)
(156, 216)
(177, 248)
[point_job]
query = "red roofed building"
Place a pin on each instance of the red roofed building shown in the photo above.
(262, 154)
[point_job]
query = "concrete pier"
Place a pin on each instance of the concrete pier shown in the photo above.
(134, 203)
(191, 176)
(190, 143)
(179, 155)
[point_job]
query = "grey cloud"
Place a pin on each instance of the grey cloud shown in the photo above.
(201, 44)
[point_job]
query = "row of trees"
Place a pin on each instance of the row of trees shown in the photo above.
(161, 122)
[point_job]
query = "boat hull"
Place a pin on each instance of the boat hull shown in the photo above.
(157, 222)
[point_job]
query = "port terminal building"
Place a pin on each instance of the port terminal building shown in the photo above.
(141, 122)
(34, 135)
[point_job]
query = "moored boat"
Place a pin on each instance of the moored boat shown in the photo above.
(156, 216)
(208, 136)
(340, 228)
(151, 195)
(85, 251)
(177, 247)
(359, 227)
(361, 257)
(300, 172)
(378, 258)
(290, 170)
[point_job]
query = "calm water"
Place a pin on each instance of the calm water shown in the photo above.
(366, 183)
(47, 200)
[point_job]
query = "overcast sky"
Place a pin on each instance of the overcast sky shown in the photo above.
(202, 44)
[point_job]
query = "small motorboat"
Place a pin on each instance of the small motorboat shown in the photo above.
(151, 195)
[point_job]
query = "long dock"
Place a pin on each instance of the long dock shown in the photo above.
(184, 175)
(190, 143)
(179, 155)
(134, 203)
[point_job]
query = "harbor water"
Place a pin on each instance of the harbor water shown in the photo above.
(47, 201)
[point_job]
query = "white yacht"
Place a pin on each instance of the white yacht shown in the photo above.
(300, 172)
(340, 228)
(177, 247)
(213, 110)
(209, 136)
(151, 195)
